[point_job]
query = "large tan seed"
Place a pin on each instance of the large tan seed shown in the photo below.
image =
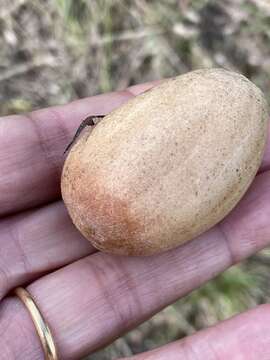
(167, 165)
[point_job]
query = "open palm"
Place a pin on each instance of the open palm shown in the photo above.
(90, 298)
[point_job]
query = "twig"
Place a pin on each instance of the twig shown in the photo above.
(127, 35)
(26, 67)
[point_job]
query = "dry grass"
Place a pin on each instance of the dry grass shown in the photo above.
(55, 51)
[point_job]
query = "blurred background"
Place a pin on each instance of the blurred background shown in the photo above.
(52, 52)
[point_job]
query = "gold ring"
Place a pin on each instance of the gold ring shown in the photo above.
(42, 328)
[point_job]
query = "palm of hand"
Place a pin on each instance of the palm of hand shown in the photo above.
(90, 298)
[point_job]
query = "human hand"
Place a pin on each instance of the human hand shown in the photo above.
(90, 298)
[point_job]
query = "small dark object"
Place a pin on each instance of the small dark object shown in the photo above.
(89, 121)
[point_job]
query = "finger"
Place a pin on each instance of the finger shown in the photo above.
(36, 242)
(91, 302)
(32, 146)
(16, 320)
(246, 336)
(140, 88)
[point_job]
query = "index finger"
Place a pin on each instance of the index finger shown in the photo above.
(32, 146)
